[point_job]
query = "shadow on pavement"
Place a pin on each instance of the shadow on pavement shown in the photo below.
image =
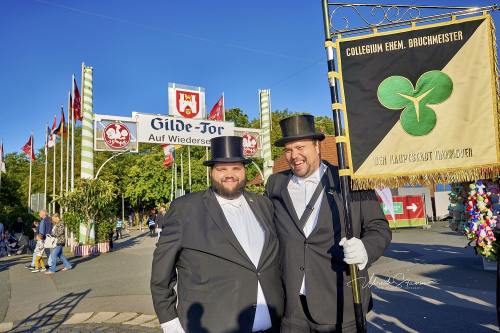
(75, 261)
(128, 241)
(6, 263)
(52, 315)
(445, 289)
(426, 309)
(428, 254)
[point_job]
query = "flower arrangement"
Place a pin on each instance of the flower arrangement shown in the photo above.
(482, 207)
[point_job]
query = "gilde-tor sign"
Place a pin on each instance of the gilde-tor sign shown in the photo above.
(179, 131)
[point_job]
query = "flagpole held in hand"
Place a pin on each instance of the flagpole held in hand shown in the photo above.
(344, 171)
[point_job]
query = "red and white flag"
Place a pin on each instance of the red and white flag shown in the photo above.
(217, 112)
(2, 159)
(28, 148)
(52, 137)
(76, 104)
(169, 151)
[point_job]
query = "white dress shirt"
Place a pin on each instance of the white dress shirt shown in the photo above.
(301, 190)
(251, 236)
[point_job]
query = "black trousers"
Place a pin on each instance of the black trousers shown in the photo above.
(304, 323)
(118, 232)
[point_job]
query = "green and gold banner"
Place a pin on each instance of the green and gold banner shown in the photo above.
(421, 104)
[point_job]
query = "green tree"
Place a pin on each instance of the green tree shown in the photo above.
(91, 201)
(240, 119)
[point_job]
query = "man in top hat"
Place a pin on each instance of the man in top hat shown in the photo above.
(313, 248)
(220, 247)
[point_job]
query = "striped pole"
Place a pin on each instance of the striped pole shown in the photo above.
(87, 156)
(265, 125)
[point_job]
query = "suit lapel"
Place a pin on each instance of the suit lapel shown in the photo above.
(257, 212)
(287, 200)
(216, 214)
(331, 198)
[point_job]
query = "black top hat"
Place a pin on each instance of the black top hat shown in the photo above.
(297, 128)
(227, 149)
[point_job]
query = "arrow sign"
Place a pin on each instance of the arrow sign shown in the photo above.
(413, 207)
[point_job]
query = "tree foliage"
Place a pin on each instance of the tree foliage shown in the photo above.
(92, 201)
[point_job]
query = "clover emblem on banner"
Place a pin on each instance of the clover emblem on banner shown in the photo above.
(417, 117)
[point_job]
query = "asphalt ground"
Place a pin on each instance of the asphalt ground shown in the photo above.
(427, 281)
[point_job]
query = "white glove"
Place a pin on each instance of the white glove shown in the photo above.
(172, 326)
(354, 252)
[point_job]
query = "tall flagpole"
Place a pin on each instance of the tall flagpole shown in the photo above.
(182, 173)
(206, 158)
(87, 106)
(31, 164)
(62, 157)
(45, 168)
(54, 176)
(172, 185)
(175, 179)
(67, 144)
(2, 155)
(73, 137)
(223, 107)
(342, 165)
(189, 167)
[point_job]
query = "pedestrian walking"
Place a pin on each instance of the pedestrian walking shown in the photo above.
(119, 226)
(161, 220)
(39, 265)
(44, 228)
(152, 227)
(57, 252)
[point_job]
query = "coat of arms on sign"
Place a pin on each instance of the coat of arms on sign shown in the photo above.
(187, 103)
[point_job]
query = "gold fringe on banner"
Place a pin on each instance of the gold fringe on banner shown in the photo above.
(495, 76)
(441, 177)
(446, 176)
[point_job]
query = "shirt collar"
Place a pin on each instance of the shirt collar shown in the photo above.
(315, 177)
(238, 202)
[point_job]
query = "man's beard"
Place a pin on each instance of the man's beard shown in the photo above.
(218, 187)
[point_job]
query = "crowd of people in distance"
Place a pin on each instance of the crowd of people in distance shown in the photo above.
(46, 247)
(13, 241)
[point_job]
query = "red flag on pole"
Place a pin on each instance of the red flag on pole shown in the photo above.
(76, 103)
(28, 148)
(61, 129)
(169, 151)
(217, 112)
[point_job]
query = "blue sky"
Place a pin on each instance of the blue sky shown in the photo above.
(137, 47)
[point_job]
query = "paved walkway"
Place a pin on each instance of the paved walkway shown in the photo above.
(104, 293)
(428, 281)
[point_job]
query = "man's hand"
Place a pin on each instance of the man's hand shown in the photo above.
(172, 326)
(354, 252)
